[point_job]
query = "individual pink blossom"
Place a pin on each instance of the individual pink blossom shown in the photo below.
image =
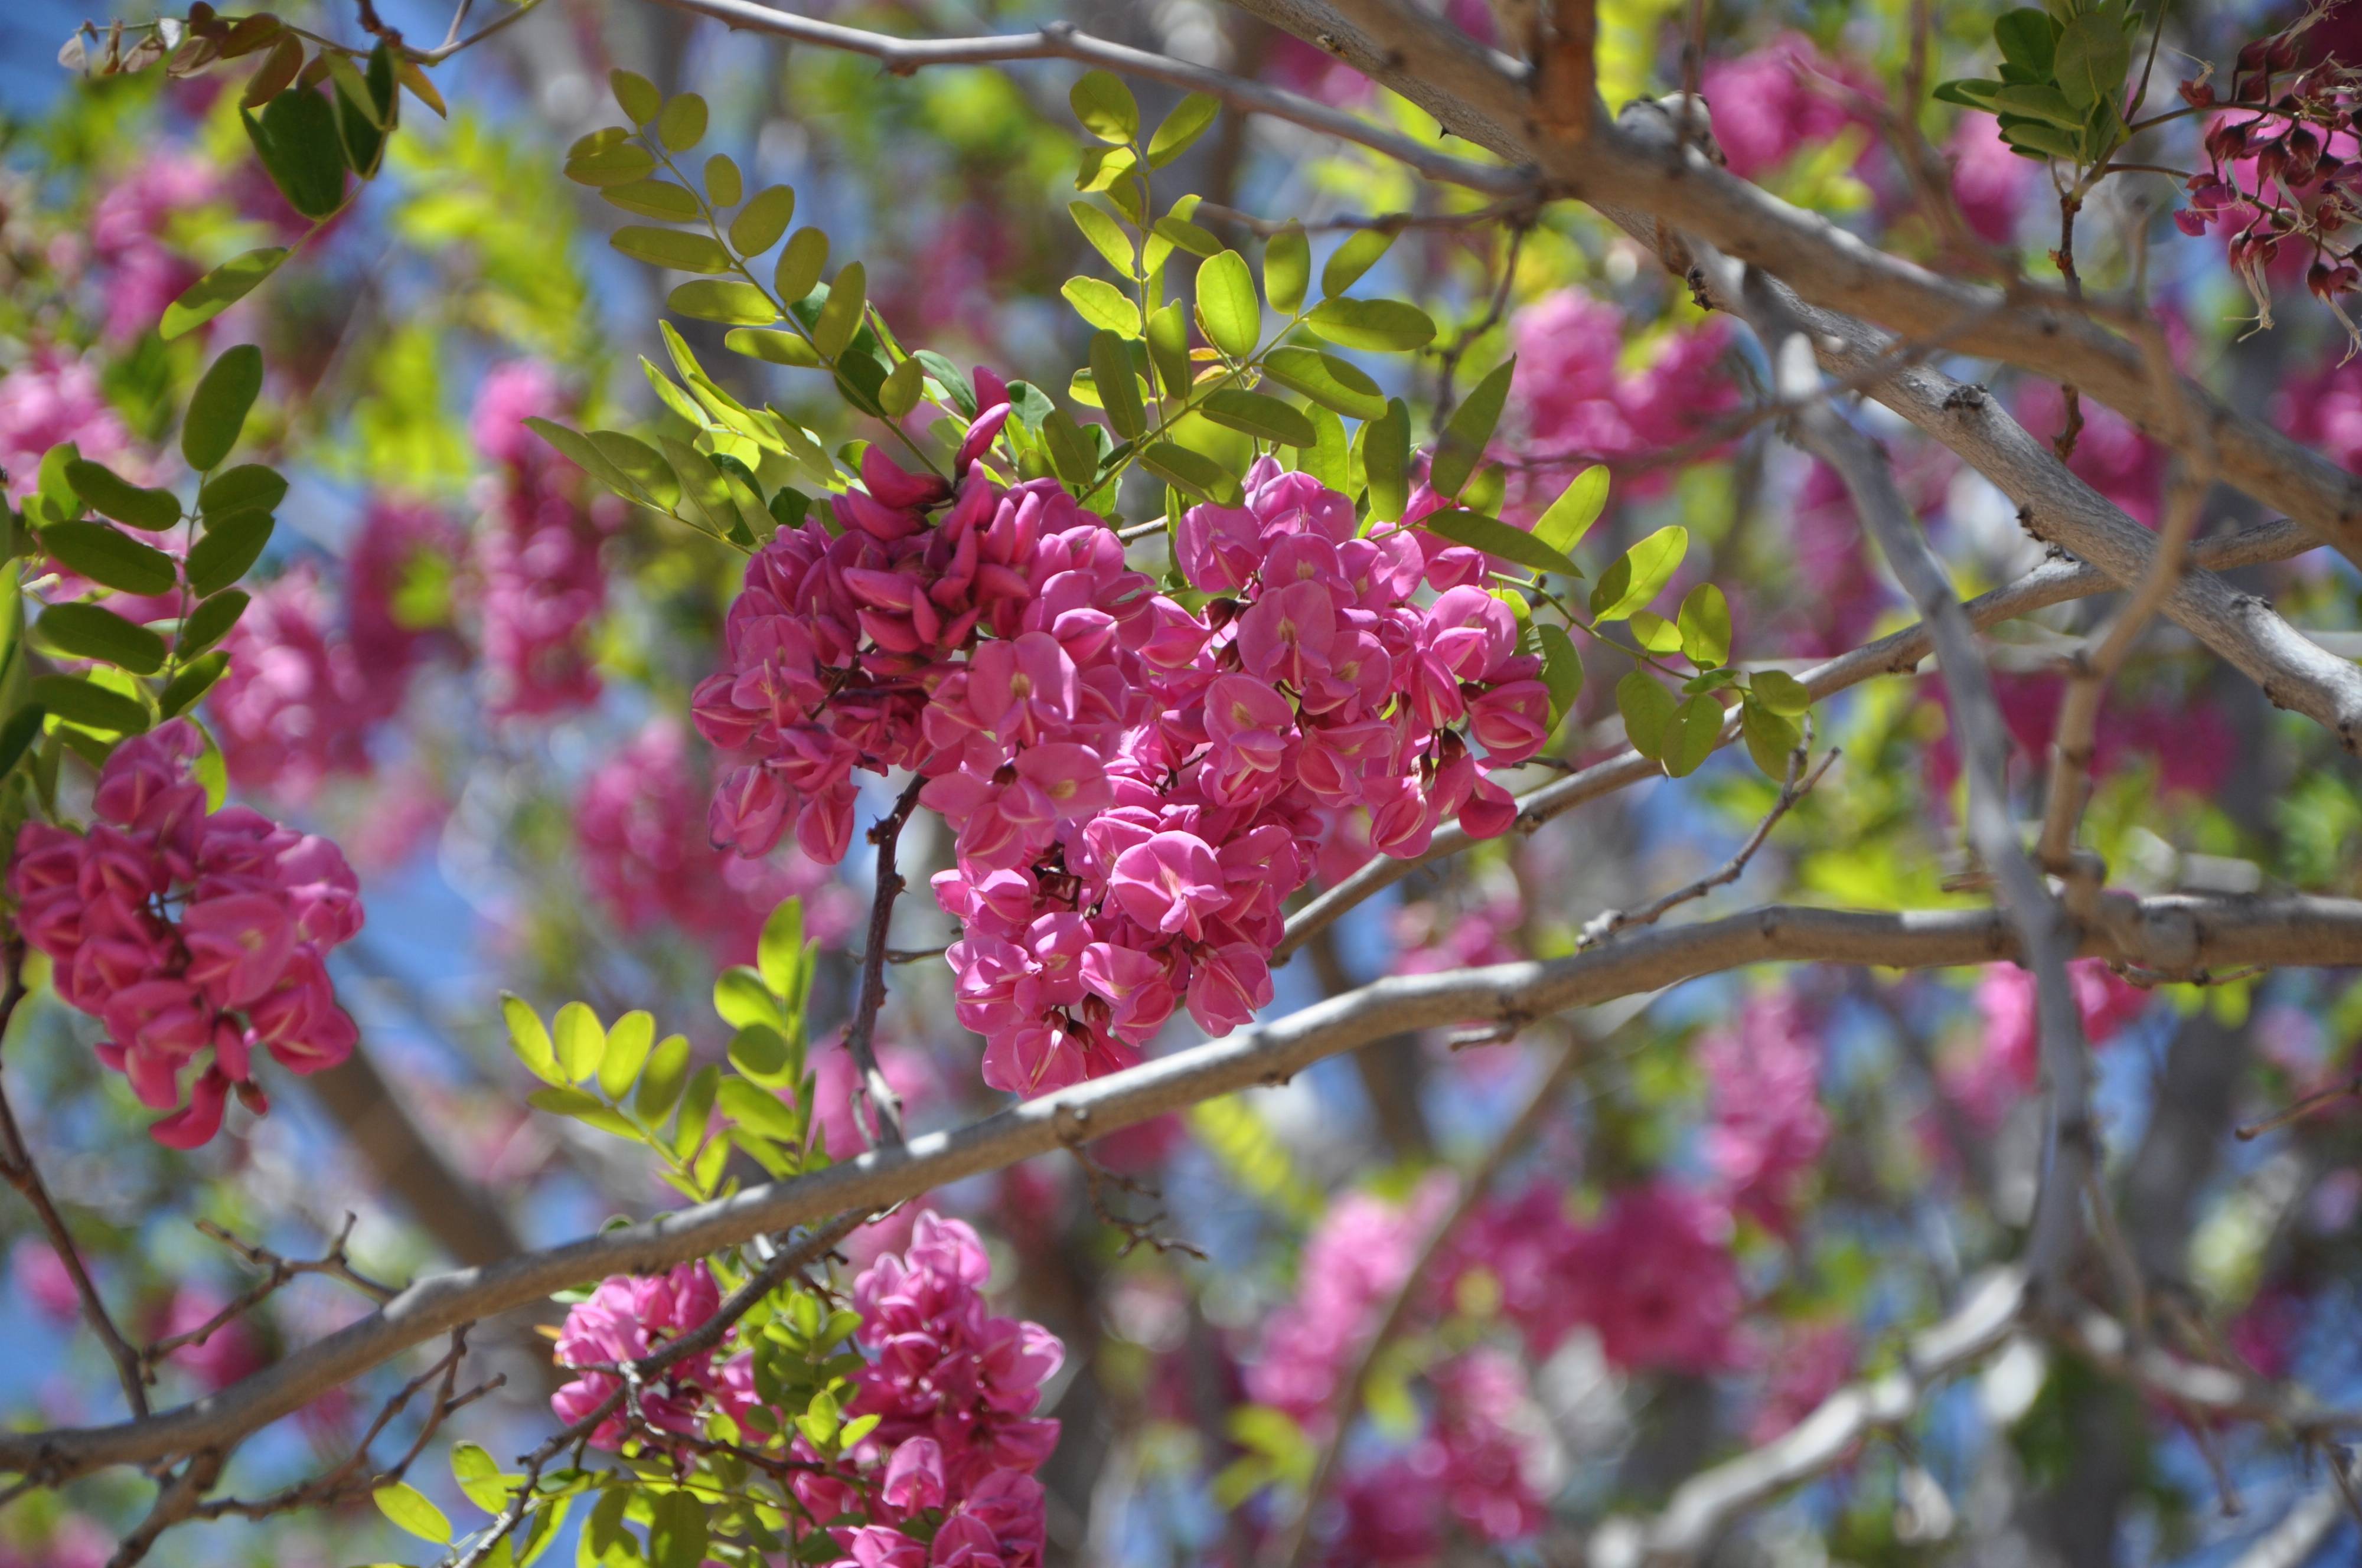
(195, 937)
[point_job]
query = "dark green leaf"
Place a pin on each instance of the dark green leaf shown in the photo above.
(1191, 471)
(1384, 325)
(1691, 735)
(676, 1533)
(681, 124)
(1071, 452)
(218, 290)
(1561, 670)
(1970, 93)
(210, 622)
(712, 299)
(1578, 506)
(1258, 414)
(111, 495)
(840, 318)
(1465, 440)
(1386, 460)
(2092, 58)
(1496, 537)
(800, 265)
(218, 409)
(1183, 125)
(1332, 382)
(1119, 388)
(2028, 40)
(677, 248)
(656, 199)
(81, 701)
(296, 137)
(1647, 710)
(2041, 104)
(1104, 106)
(107, 557)
(17, 734)
(2049, 141)
(86, 631)
(249, 487)
(196, 678)
(1287, 267)
(758, 225)
(1361, 250)
(636, 96)
(1640, 574)
(1226, 307)
(231, 545)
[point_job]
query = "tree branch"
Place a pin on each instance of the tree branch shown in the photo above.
(860, 1034)
(2172, 936)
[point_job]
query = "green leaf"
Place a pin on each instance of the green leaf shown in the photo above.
(1118, 386)
(230, 547)
(2041, 104)
(2049, 141)
(628, 1044)
(750, 1106)
(636, 96)
(408, 1507)
(1104, 106)
(662, 1079)
(108, 558)
(1706, 626)
(1654, 632)
(581, 1040)
(681, 124)
(196, 678)
(218, 409)
(724, 185)
(1103, 305)
(1385, 461)
(1168, 347)
(1691, 735)
(1332, 382)
(1226, 308)
(1578, 506)
(212, 770)
(360, 122)
(586, 1108)
(800, 265)
(1771, 737)
(656, 199)
(903, 384)
(772, 347)
(1101, 167)
(249, 487)
(1465, 440)
(620, 163)
(1181, 234)
(1640, 574)
(218, 290)
(1972, 92)
(712, 299)
(210, 622)
(89, 704)
(17, 734)
(296, 138)
(1496, 537)
(1287, 267)
(1331, 459)
(2092, 58)
(529, 1040)
(111, 495)
(1387, 326)
(1361, 250)
(1183, 125)
(478, 1476)
(1071, 453)
(86, 631)
(1779, 692)
(1107, 237)
(1258, 414)
(1561, 670)
(696, 1110)
(1191, 471)
(677, 248)
(1647, 710)
(840, 318)
(741, 997)
(760, 1053)
(2028, 40)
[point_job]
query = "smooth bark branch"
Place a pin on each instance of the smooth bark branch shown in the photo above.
(1898, 652)
(1063, 40)
(2168, 936)
(2044, 929)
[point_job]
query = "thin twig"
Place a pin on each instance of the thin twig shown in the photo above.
(1136, 1233)
(335, 1265)
(1797, 785)
(860, 1035)
(1507, 211)
(2304, 1106)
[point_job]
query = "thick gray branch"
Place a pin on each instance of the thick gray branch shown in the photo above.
(2170, 936)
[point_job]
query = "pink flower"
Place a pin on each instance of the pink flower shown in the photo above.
(1169, 883)
(629, 1318)
(1767, 1130)
(1658, 1282)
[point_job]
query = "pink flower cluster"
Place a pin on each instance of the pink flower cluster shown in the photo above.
(1767, 1129)
(1573, 402)
(946, 1477)
(540, 559)
(128, 236)
(300, 698)
(1770, 102)
(1473, 1468)
(189, 933)
(639, 824)
(630, 1318)
(1134, 787)
(2011, 1059)
(52, 397)
(1352, 1265)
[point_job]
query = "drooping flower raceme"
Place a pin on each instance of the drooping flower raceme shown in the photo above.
(1133, 786)
(1768, 1128)
(630, 1318)
(539, 559)
(195, 937)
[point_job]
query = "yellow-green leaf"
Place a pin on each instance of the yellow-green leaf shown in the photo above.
(1226, 307)
(1103, 305)
(1640, 574)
